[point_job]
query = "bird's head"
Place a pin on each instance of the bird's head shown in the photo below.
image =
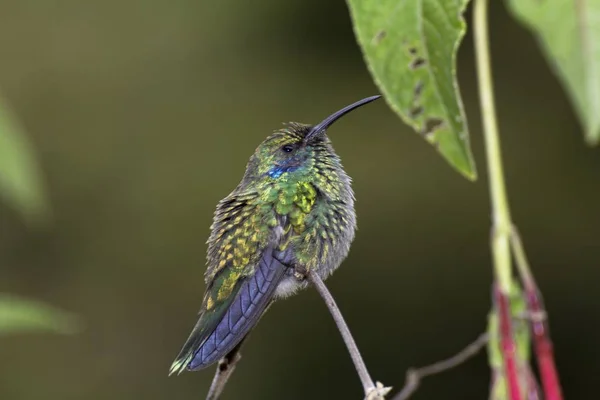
(296, 149)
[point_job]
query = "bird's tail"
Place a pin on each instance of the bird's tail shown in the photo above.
(218, 331)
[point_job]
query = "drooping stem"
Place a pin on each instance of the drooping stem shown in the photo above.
(539, 322)
(367, 383)
(501, 228)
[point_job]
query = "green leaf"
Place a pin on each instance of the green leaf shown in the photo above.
(20, 182)
(569, 34)
(20, 315)
(410, 48)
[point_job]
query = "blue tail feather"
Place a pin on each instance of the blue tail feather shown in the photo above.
(252, 298)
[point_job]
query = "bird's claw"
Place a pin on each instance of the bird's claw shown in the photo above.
(378, 392)
(285, 258)
(300, 273)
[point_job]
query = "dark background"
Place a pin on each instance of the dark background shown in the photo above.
(144, 114)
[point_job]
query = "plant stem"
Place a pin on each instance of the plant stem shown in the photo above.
(508, 346)
(501, 228)
(539, 322)
(501, 213)
(367, 383)
(533, 389)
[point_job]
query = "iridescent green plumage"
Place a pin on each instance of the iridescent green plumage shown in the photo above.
(292, 212)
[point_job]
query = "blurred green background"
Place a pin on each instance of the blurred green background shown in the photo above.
(144, 114)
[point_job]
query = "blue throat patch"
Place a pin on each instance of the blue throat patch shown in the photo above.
(278, 170)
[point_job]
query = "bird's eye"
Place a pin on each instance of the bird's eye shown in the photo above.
(287, 148)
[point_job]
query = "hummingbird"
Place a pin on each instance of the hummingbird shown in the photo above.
(293, 212)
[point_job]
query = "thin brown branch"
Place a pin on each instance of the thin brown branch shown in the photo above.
(224, 370)
(414, 376)
(372, 391)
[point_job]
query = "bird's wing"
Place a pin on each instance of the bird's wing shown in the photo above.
(242, 277)
(238, 232)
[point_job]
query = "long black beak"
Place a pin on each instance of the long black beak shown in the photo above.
(327, 122)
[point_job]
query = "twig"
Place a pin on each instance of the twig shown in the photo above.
(501, 227)
(538, 320)
(224, 370)
(371, 390)
(414, 376)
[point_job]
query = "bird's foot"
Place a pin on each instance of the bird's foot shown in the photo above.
(300, 273)
(285, 258)
(378, 392)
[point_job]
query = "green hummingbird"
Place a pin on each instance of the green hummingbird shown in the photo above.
(293, 212)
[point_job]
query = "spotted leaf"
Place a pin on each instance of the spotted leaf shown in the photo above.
(410, 48)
